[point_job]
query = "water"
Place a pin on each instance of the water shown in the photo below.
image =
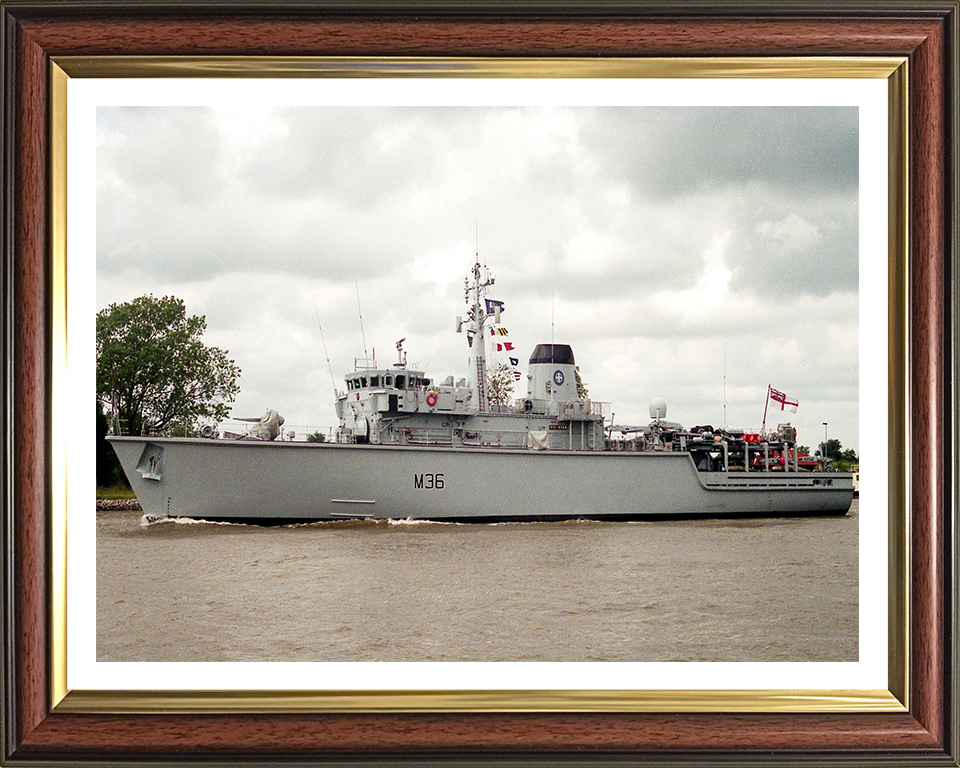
(742, 590)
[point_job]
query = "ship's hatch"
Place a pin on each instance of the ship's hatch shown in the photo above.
(150, 465)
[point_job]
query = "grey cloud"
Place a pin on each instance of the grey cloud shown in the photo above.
(667, 152)
(162, 152)
(362, 156)
(806, 246)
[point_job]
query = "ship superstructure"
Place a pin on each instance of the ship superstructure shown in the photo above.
(400, 405)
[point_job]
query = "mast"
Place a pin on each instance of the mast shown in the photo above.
(474, 293)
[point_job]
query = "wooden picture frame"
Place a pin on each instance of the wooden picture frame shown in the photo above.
(36, 732)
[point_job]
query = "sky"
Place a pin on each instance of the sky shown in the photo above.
(691, 253)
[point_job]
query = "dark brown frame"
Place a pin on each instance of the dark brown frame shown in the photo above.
(924, 32)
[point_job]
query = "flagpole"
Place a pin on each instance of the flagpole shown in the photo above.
(766, 402)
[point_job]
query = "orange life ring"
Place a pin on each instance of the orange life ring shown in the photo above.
(431, 399)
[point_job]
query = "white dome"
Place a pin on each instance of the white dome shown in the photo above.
(658, 408)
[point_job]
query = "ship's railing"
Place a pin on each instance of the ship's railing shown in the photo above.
(563, 408)
(148, 431)
(371, 364)
(289, 433)
(232, 428)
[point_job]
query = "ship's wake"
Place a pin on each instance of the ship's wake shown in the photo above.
(148, 521)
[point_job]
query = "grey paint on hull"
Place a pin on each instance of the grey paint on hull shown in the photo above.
(260, 481)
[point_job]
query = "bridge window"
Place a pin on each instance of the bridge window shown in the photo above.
(388, 380)
(374, 381)
(400, 382)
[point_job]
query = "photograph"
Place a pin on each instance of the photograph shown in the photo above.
(479, 385)
(532, 383)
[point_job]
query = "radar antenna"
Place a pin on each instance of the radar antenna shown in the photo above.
(333, 380)
(362, 336)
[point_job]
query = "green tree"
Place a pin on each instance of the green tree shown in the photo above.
(842, 459)
(830, 449)
(581, 387)
(500, 384)
(155, 371)
(317, 437)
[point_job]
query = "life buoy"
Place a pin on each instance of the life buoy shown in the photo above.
(431, 399)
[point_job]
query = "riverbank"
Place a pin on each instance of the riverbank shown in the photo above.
(116, 498)
(117, 504)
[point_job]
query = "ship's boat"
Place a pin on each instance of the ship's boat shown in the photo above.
(408, 447)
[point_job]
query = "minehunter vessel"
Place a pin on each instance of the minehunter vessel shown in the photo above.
(409, 448)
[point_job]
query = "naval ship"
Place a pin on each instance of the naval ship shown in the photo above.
(410, 448)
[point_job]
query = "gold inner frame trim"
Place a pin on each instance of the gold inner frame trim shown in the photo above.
(893, 69)
(898, 414)
(58, 371)
(728, 701)
(413, 66)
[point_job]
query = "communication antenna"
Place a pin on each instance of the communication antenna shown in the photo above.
(333, 381)
(553, 347)
(724, 385)
(553, 312)
(362, 336)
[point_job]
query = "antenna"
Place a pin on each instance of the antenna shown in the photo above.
(724, 385)
(553, 347)
(362, 336)
(333, 381)
(553, 311)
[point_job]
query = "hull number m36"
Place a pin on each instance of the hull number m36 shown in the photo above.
(428, 481)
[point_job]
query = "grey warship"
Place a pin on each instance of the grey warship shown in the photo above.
(410, 448)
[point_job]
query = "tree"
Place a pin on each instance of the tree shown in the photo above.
(317, 437)
(154, 372)
(842, 459)
(500, 385)
(581, 387)
(830, 449)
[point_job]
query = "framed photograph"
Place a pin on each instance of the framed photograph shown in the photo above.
(869, 93)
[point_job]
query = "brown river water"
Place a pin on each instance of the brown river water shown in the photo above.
(705, 590)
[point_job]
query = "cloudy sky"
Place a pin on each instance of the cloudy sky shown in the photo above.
(659, 241)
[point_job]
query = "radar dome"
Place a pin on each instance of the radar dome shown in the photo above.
(658, 408)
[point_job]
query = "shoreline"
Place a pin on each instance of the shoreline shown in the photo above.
(105, 505)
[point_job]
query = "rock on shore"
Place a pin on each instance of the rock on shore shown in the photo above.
(118, 504)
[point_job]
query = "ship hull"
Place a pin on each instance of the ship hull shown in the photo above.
(263, 482)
